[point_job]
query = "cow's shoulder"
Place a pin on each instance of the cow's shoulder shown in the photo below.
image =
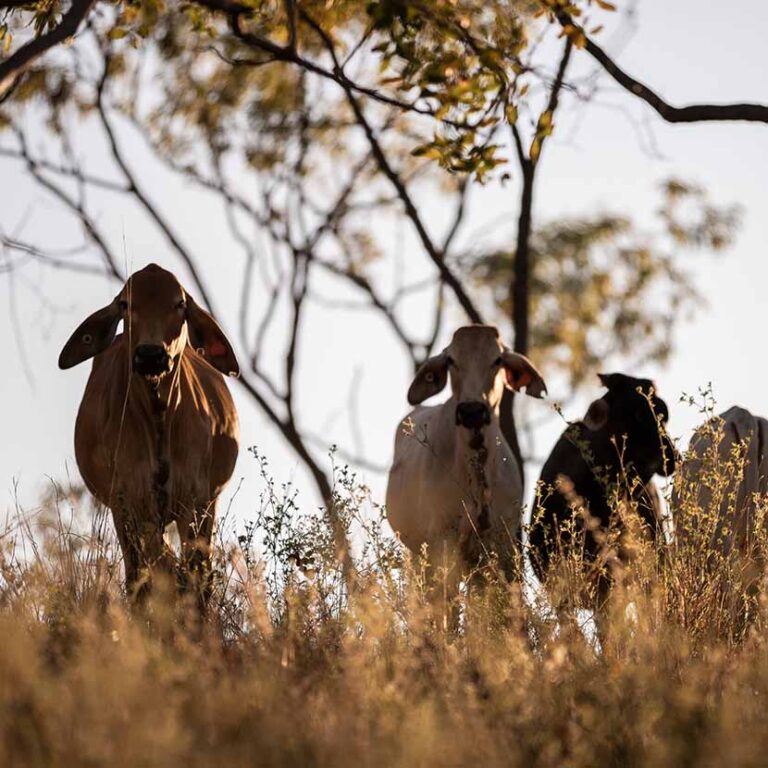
(571, 453)
(209, 391)
(739, 422)
(419, 426)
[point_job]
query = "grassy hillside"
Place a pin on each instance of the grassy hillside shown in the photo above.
(292, 671)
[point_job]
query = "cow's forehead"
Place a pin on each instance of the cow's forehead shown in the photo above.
(153, 283)
(644, 385)
(475, 341)
(622, 382)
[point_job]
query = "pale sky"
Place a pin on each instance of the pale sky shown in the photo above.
(593, 163)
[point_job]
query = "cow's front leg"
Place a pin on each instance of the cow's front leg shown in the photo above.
(196, 528)
(145, 555)
(129, 539)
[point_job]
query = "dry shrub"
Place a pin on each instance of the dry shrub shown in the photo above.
(292, 670)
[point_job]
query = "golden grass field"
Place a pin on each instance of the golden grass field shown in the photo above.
(291, 670)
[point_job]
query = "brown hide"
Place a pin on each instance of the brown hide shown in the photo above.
(157, 449)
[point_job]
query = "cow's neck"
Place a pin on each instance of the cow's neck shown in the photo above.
(474, 453)
(156, 398)
(157, 401)
(602, 457)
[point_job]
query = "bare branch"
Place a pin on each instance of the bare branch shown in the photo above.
(61, 170)
(376, 301)
(352, 458)
(437, 257)
(141, 197)
(92, 231)
(519, 290)
(693, 113)
(458, 219)
(49, 258)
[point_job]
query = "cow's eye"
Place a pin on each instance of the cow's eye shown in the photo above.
(498, 362)
(181, 305)
(123, 305)
(451, 361)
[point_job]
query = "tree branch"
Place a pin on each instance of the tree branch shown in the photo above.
(520, 288)
(140, 196)
(7, 4)
(291, 55)
(110, 261)
(49, 258)
(62, 170)
(16, 64)
(693, 113)
(386, 168)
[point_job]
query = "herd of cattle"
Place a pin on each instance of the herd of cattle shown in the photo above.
(156, 440)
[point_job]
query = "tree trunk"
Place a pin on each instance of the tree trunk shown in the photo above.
(520, 288)
(520, 294)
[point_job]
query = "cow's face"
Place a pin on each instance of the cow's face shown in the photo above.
(153, 306)
(480, 367)
(632, 414)
(159, 319)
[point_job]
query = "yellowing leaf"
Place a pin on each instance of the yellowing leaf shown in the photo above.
(511, 114)
(606, 6)
(535, 149)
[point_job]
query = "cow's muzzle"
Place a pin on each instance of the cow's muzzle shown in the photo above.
(151, 360)
(473, 414)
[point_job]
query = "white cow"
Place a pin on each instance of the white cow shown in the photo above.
(454, 484)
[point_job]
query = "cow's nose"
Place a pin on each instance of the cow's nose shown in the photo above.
(473, 414)
(150, 359)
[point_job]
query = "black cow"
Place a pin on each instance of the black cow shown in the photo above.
(612, 454)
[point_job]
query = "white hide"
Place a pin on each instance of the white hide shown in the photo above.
(454, 488)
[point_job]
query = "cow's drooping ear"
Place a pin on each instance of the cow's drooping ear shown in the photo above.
(92, 336)
(521, 372)
(207, 338)
(430, 379)
(597, 414)
(615, 381)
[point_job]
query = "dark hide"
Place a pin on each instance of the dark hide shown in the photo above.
(619, 445)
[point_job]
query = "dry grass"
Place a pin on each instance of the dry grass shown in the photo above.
(291, 671)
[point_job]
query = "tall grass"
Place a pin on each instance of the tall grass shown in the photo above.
(293, 670)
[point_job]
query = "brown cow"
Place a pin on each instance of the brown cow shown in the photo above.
(156, 437)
